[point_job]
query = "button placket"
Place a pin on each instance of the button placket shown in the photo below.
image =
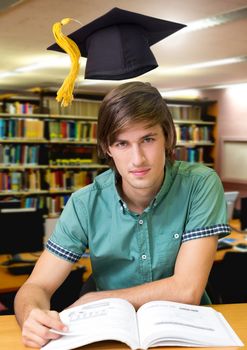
(145, 261)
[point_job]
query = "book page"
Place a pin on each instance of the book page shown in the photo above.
(107, 319)
(164, 323)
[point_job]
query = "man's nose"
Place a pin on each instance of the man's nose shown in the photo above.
(138, 156)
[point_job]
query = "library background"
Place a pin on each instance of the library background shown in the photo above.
(47, 152)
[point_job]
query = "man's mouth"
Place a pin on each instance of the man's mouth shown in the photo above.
(140, 172)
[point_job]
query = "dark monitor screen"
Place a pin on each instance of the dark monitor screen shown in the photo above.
(10, 204)
(22, 230)
(243, 214)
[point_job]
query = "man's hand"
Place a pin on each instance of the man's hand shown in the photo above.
(36, 328)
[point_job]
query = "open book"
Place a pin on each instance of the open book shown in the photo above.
(157, 323)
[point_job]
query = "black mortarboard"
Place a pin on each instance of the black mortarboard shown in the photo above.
(117, 44)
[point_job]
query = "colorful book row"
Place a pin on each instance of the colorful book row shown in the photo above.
(38, 180)
(79, 107)
(195, 154)
(70, 155)
(17, 154)
(50, 204)
(26, 128)
(24, 154)
(20, 181)
(19, 107)
(194, 133)
(185, 112)
(72, 130)
(69, 179)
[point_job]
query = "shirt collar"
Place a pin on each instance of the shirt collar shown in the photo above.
(169, 174)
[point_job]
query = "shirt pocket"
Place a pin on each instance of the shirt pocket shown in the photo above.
(165, 253)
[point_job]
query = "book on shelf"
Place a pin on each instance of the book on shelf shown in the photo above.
(156, 323)
(185, 112)
(34, 129)
(79, 107)
(193, 154)
(71, 155)
(19, 154)
(21, 128)
(71, 130)
(194, 133)
(18, 107)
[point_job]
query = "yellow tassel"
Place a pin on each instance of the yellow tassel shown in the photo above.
(65, 93)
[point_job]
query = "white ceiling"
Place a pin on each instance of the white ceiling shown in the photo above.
(26, 32)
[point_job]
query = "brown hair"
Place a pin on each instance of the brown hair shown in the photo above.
(129, 103)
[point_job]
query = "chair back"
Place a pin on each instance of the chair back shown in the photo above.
(69, 291)
(227, 281)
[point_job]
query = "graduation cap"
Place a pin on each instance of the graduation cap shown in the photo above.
(117, 46)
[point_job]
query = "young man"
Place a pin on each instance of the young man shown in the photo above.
(151, 224)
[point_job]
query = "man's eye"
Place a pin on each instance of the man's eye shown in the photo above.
(148, 139)
(120, 144)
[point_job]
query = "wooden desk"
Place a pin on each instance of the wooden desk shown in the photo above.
(235, 314)
(239, 238)
(11, 283)
(8, 282)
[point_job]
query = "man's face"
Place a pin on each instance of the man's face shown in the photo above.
(139, 156)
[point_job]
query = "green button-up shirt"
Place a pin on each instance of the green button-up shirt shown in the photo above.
(128, 249)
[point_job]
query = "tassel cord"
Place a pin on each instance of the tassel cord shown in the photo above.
(65, 93)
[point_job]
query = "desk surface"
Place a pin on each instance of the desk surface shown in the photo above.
(239, 238)
(11, 283)
(235, 314)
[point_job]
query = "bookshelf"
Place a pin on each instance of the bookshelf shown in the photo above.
(45, 157)
(195, 123)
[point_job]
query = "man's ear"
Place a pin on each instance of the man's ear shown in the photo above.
(108, 152)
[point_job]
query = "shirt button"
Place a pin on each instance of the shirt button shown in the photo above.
(144, 257)
(140, 222)
(176, 235)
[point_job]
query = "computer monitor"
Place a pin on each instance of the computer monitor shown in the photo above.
(22, 230)
(5, 204)
(231, 198)
(243, 214)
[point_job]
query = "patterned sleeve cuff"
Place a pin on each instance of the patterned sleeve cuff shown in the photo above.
(62, 252)
(220, 229)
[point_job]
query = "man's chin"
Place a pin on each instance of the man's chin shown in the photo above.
(140, 184)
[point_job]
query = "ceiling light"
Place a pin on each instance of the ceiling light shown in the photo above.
(82, 81)
(215, 63)
(51, 62)
(232, 86)
(207, 64)
(216, 20)
(32, 67)
(183, 94)
(6, 74)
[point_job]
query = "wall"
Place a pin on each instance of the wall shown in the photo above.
(232, 123)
